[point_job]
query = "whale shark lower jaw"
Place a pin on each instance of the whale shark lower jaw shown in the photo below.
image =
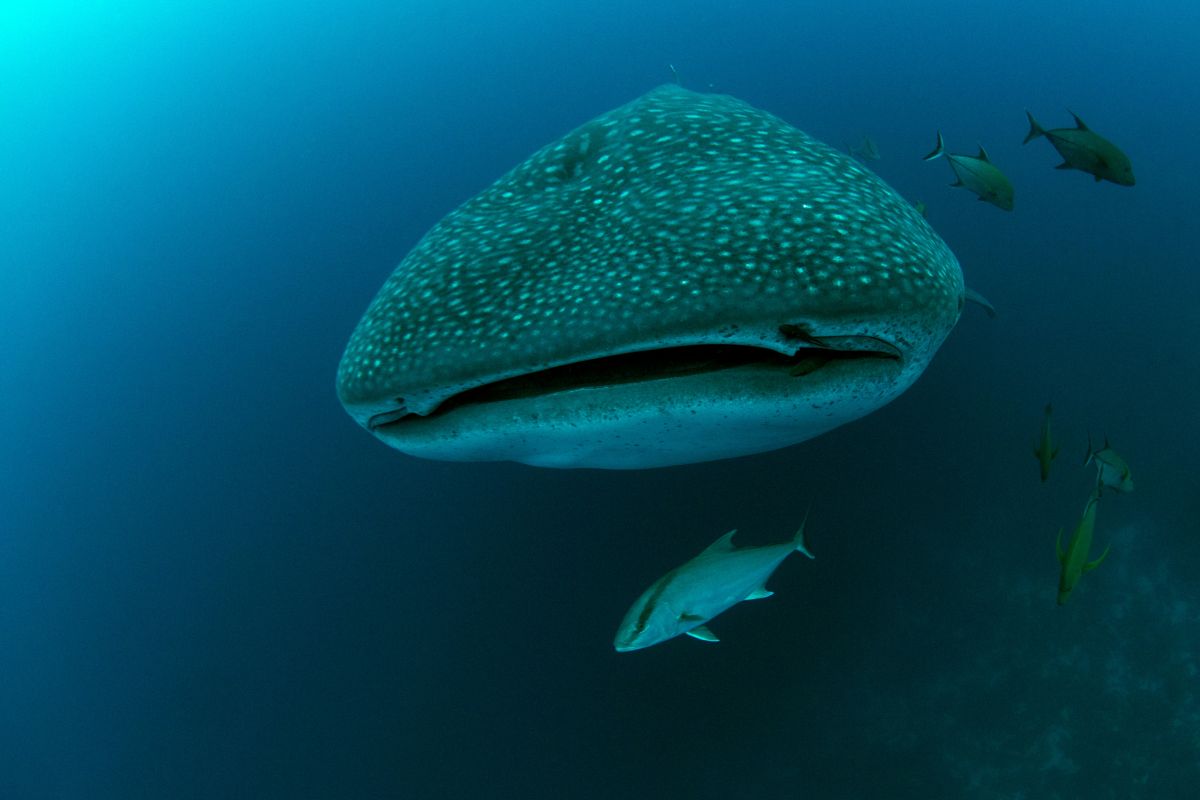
(654, 408)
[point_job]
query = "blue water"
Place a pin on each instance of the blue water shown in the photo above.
(213, 584)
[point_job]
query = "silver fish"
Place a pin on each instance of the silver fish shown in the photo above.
(1085, 150)
(977, 174)
(687, 597)
(1111, 470)
(1073, 561)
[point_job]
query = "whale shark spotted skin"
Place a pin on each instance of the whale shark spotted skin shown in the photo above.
(681, 279)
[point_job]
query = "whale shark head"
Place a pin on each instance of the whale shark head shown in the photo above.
(684, 278)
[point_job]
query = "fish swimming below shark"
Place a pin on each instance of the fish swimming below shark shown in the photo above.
(1112, 471)
(1044, 449)
(681, 279)
(687, 597)
(1073, 560)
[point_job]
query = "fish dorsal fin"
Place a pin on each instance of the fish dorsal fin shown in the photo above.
(983, 156)
(722, 545)
(703, 634)
(1079, 124)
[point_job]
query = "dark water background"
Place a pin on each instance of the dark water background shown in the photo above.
(212, 584)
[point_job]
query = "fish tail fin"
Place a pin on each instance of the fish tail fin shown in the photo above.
(1035, 130)
(798, 540)
(938, 150)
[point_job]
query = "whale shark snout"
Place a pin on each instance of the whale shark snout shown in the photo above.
(681, 279)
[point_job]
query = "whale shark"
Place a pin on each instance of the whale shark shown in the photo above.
(682, 279)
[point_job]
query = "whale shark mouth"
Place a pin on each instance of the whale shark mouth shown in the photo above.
(643, 366)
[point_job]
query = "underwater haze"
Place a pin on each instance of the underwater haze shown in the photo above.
(213, 583)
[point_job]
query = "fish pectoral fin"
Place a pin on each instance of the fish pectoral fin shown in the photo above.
(1062, 556)
(759, 593)
(1091, 565)
(703, 634)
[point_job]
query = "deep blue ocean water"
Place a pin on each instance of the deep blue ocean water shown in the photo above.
(214, 584)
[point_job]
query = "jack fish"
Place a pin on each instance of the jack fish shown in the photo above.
(1074, 560)
(1044, 449)
(1085, 150)
(687, 597)
(684, 278)
(1111, 470)
(977, 174)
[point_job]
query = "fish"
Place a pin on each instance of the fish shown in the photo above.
(1074, 560)
(1111, 470)
(865, 150)
(977, 174)
(616, 300)
(1044, 450)
(1085, 150)
(687, 597)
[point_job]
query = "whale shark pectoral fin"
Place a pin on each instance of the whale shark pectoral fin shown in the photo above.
(759, 593)
(1091, 565)
(703, 634)
(972, 296)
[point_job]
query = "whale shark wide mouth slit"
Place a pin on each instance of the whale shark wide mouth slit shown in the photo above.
(644, 365)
